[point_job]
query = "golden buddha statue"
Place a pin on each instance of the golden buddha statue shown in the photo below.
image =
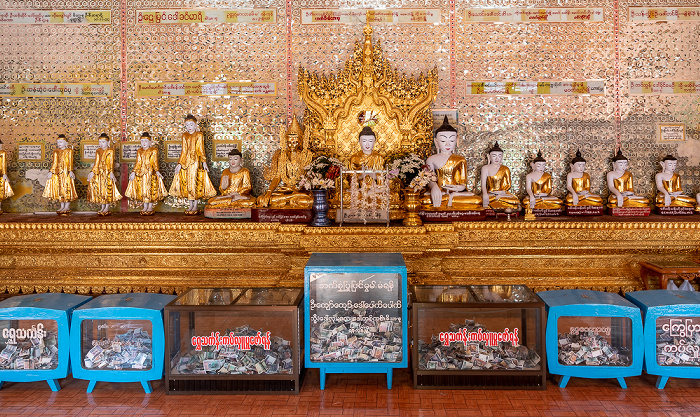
(60, 183)
(621, 185)
(538, 185)
(192, 181)
(447, 193)
(235, 185)
(286, 170)
(366, 157)
(578, 182)
(146, 181)
(669, 185)
(495, 182)
(102, 184)
(5, 188)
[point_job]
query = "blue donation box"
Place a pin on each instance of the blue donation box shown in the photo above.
(671, 333)
(592, 334)
(34, 338)
(119, 338)
(356, 315)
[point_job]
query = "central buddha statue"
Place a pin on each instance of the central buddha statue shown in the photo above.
(578, 182)
(367, 157)
(539, 187)
(286, 170)
(495, 182)
(447, 193)
(621, 185)
(669, 185)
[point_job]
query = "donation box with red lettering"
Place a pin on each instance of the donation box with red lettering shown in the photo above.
(234, 341)
(119, 338)
(592, 334)
(671, 333)
(477, 337)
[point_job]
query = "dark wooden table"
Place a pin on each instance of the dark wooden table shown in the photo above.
(664, 270)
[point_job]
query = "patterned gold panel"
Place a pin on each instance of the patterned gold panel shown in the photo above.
(659, 51)
(558, 125)
(55, 54)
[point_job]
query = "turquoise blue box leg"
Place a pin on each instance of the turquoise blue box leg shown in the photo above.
(671, 331)
(39, 323)
(119, 338)
(592, 334)
(355, 308)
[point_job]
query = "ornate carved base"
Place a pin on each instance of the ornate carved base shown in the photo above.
(227, 213)
(585, 210)
(630, 211)
(547, 212)
(452, 215)
(170, 252)
(282, 215)
(500, 213)
(675, 211)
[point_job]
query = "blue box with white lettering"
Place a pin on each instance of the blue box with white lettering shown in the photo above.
(355, 312)
(34, 337)
(671, 333)
(592, 334)
(119, 338)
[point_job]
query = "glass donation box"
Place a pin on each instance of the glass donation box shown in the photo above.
(355, 313)
(671, 333)
(592, 334)
(234, 340)
(482, 336)
(34, 339)
(119, 338)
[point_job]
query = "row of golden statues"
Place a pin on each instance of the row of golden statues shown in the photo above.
(447, 192)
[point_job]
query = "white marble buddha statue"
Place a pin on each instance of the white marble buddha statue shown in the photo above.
(538, 185)
(621, 185)
(669, 185)
(448, 192)
(495, 182)
(578, 182)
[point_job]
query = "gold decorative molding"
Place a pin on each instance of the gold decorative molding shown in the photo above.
(171, 257)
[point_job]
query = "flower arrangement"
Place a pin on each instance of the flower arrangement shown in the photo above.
(410, 169)
(321, 173)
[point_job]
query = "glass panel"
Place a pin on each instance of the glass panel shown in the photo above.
(116, 344)
(442, 294)
(208, 296)
(479, 339)
(232, 342)
(678, 341)
(355, 317)
(269, 296)
(501, 293)
(595, 341)
(28, 344)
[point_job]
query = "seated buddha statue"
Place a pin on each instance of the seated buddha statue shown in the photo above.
(366, 157)
(447, 193)
(621, 185)
(235, 185)
(495, 182)
(578, 182)
(669, 185)
(538, 185)
(286, 170)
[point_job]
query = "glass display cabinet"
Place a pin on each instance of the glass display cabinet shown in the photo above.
(592, 334)
(119, 338)
(671, 333)
(34, 334)
(234, 340)
(355, 313)
(484, 336)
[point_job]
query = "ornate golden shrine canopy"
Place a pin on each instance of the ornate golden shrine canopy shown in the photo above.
(368, 92)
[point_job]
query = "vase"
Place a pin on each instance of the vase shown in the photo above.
(320, 208)
(412, 204)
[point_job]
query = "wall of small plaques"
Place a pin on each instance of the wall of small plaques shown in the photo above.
(551, 75)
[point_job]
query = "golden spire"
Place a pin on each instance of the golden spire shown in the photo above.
(295, 128)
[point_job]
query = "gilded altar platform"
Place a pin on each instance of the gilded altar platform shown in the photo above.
(171, 252)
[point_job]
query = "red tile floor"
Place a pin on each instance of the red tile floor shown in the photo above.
(360, 395)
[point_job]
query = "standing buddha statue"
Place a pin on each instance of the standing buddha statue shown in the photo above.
(102, 184)
(5, 188)
(146, 181)
(60, 183)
